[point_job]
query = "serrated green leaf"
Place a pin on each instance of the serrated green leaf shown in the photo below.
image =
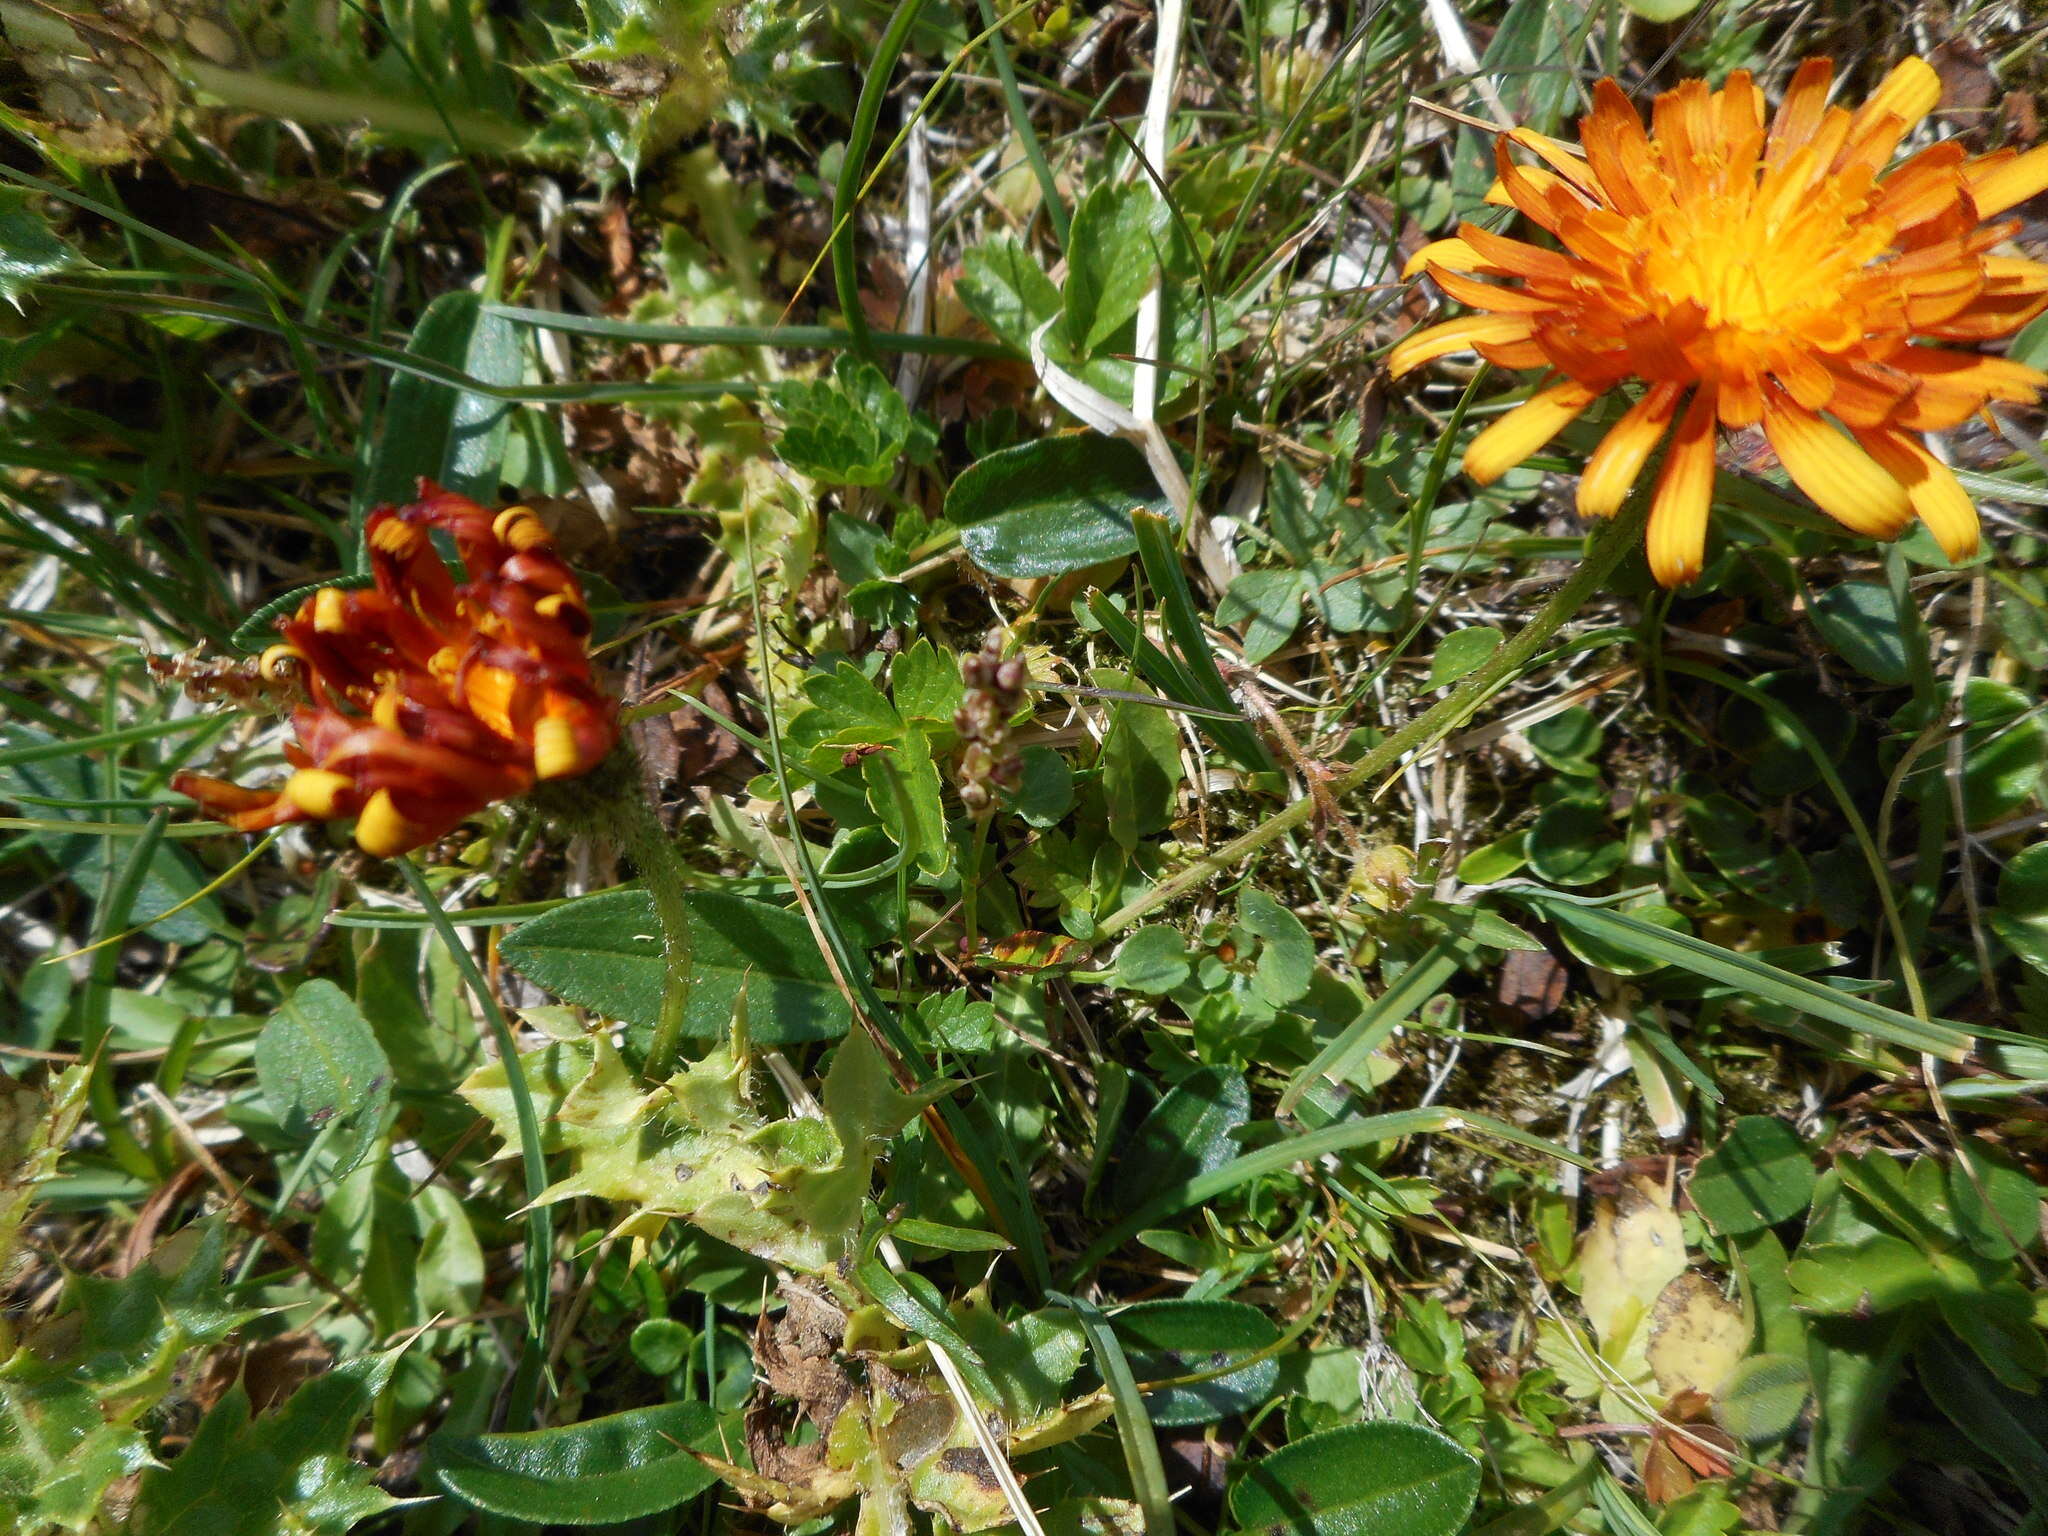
(1113, 257)
(849, 429)
(72, 1394)
(35, 1126)
(286, 1471)
(1761, 1399)
(696, 1149)
(1005, 288)
(29, 249)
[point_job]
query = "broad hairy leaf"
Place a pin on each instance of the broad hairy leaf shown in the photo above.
(322, 1072)
(1053, 505)
(1358, 1481)
(620, 1467)
(603, 953)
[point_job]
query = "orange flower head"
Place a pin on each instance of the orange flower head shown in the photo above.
(1752, 272)
(427, 699)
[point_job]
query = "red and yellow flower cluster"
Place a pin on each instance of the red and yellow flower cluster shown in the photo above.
(1752, 273)
(427, 699)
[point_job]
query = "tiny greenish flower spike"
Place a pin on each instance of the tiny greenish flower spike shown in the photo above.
(1751, 272)
(427, 699)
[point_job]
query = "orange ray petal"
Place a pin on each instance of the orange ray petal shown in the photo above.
(1610, 474)
(1907, 95)
(1865, 396)
(1562, 158)
(2002, 180)
(1677, 539)
(1741, 397)
(1517, 257)
(1526, 428)
(1682, 124)
(1434, 341)
(2015, 274)
(1800, 112)
(1520, 352)
(1541, 195)
(1925, 186)
(1937, 496)
(1618, 150)
(1843, 481)
(1492, 297)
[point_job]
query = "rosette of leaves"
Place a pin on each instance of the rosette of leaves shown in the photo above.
(697, 1148)
(888, 1429)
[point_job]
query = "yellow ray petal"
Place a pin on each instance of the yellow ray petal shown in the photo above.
(1611, 473)
(1844, 481)
(1453, 254)
(1432, 342)
(1908, 94)
(381, 831)
(1525, 429)
(1997, 186)
(554, 748)
(318, 792)
(1685, 494)
(1937, 496)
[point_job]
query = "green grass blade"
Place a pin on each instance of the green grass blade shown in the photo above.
(1303, 1148)
(1748, 975)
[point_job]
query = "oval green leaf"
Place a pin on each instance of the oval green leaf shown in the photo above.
(1859, 619)
(600, 1472)
(1462, 652)
(2022, 916)
(1760, 1174)
(1164, 1339)
(1154, 960)
(1055, 505)
(1187, 1134)
(1762, 1397)
(1361, 1480)
(1574, 843)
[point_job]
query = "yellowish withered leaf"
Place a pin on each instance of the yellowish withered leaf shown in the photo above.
(1696, 1336)
(1634, 1247)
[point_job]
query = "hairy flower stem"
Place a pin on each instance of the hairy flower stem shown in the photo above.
(610, 802)
(1613, 542)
